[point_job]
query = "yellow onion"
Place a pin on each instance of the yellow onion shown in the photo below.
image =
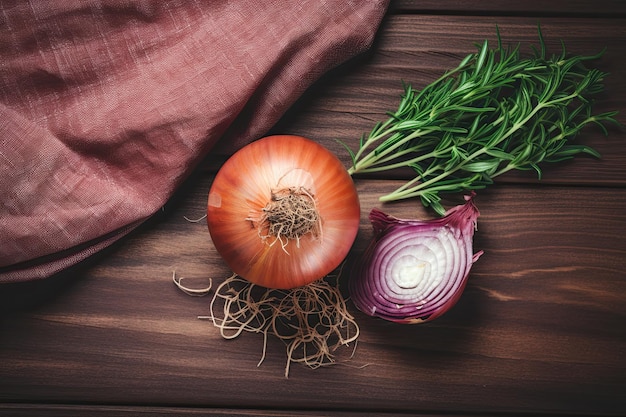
(283, 212)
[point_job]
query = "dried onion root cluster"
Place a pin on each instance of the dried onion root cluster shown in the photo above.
(290, 215)
(313, 320)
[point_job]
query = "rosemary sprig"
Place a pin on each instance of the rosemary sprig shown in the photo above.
(495, 112)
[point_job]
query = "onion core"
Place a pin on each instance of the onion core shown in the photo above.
(415, 270)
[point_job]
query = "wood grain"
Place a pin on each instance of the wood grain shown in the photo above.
(539, 330)
(18, 410)
(417, 49)
(562, 8)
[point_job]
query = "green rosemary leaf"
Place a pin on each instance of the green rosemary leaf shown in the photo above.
(493, 113)
(350, 152)
(488, 167)
(500, 154)
(570, 151)
(410, 124)
(481, 57)
(608, 117)
(417, 168)
(537, 169)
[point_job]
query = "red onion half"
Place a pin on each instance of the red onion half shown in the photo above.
(414, 271)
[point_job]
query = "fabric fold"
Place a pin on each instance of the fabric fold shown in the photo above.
(107, 106)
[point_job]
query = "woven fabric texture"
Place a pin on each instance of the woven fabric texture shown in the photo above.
(106, 106)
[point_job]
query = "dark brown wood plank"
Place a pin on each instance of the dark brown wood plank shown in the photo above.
(583, 8)
(418, 49)
(18, 410)
(539, 328)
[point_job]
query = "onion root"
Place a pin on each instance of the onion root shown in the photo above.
(312, 320)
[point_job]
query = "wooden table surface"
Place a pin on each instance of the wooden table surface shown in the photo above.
(541, 327)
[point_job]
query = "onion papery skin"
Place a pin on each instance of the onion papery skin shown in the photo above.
(244, 186)
(415, 270)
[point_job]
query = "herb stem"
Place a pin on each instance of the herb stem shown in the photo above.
(494, 113)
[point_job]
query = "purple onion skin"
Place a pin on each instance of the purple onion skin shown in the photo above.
(397, 279)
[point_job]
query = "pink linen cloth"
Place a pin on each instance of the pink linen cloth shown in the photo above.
(106, 106)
